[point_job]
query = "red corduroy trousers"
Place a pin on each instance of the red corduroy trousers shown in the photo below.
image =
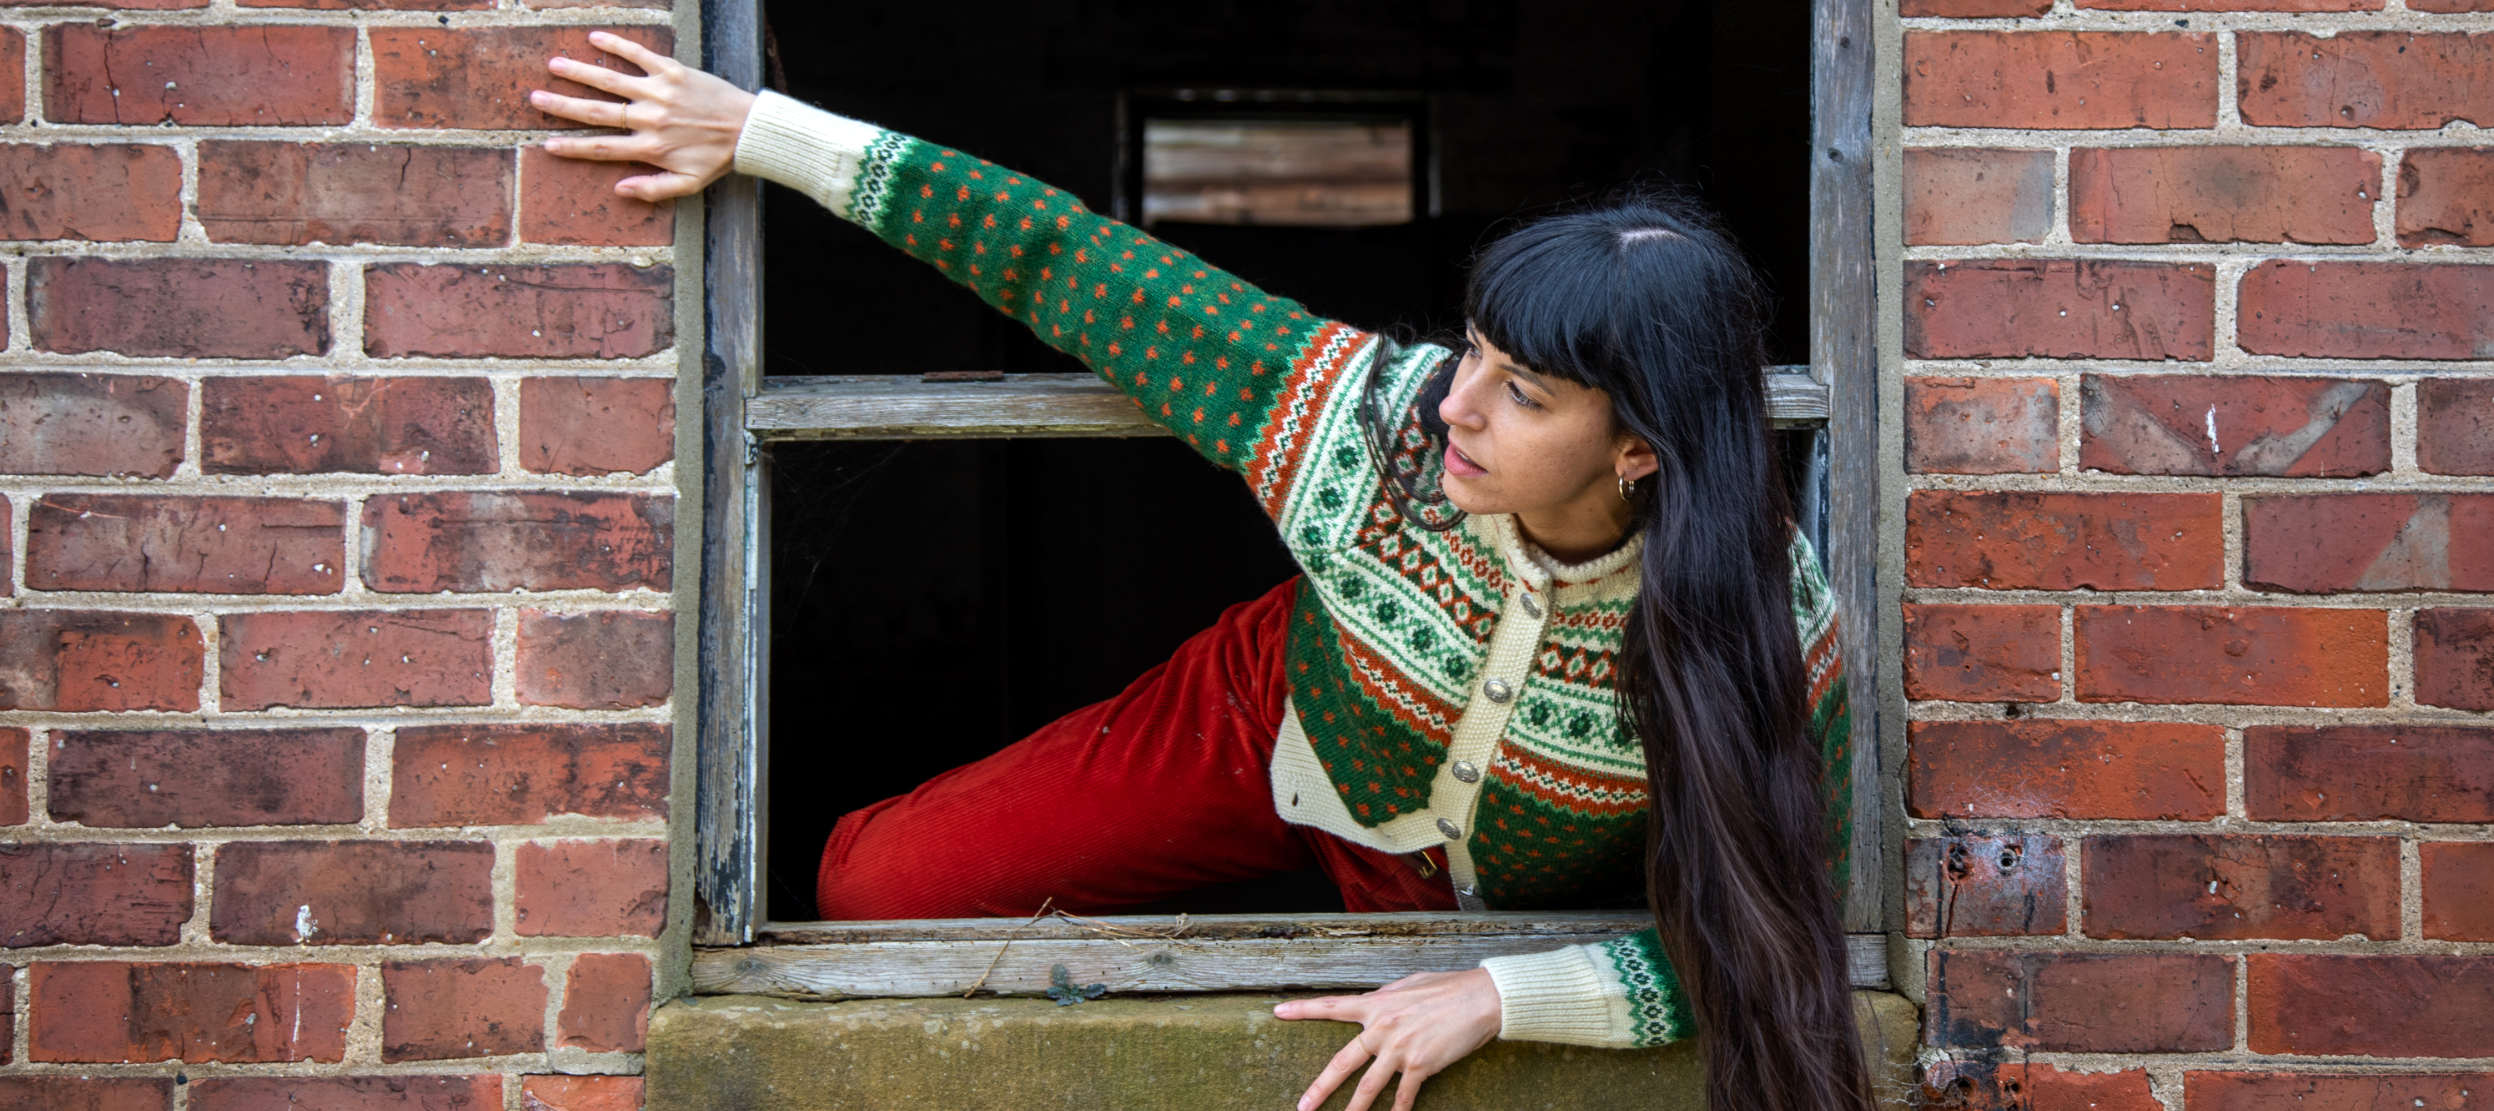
(1157, 791)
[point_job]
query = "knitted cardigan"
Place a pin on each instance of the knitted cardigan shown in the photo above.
(1448, 688)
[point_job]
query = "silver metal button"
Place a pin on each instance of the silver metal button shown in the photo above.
(1465, 772)
(1532, 606)
(1498, 690)
(1449, 829)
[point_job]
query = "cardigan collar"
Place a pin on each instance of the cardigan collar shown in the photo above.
(1541, 569)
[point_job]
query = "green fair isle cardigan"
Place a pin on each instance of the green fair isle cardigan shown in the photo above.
(1448, 688)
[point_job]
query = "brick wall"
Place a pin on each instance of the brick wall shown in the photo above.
(2199, 540)
(336, 619)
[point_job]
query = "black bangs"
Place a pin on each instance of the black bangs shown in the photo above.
(1644, 297)
(1544, 296)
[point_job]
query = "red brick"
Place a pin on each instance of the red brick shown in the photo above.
(2450, 5)
(480, 77)
(193, 545)
(2059, 308)
(1977, 884)
(299, 193)
(461, 775)
(589, 426)
(2459, 890)
(2337, 542)
(2316, 1091)
(573, 202)
(99, 192)
(605, 1003)
(2374, 1004)
(581, 1093)
(478, 1007)
(12, 777)
(2059, 79)
(2245, 656)
(12, 75)
(199, 75)
(1982, 425)
(1957, 195)
(179, 307)
(2418, 773)
(592, 888)
(2241, 886)
(517, 540)
(346, 1093)
(80, 660)
(1983, 653)
(2446, 195)
(610, 660)
(2366, 310)
(2386, 79)
(356, 658)
(207, 777)
(2065, 769)
(383, 5)
(92, 424)
(85, 1093)
(94, 894)
(2455, 426)
(2060, 1001)
(2235, 5)
(2455, 658)
(352, 892)
(1972, 9)
(2052, 541)
(307, 424)
(8, 1020)
(2234, 425)
(2223, 194)
(115, 1011)
(583, 311)
(2021, 1085)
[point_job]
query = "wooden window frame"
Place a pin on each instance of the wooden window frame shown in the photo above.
(737, 951)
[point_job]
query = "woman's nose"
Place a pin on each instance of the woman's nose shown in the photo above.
(1456, 408)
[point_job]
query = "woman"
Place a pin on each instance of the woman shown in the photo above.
(1548, 646)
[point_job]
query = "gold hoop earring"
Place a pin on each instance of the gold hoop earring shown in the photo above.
(1627, 487)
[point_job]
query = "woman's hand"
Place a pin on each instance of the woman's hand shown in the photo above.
(1416, 1026)
(683, 121)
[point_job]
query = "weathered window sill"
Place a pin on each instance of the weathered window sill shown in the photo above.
(1191, 1051)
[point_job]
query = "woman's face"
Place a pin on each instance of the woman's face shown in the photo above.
(1545, 449)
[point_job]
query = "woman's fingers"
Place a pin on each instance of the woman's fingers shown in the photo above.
(601, 148)
(1350, 1057)
(595, 113)
(650, 61)
(659, 187)
(1407, 1089)
(599, 77)
(1372, 1084)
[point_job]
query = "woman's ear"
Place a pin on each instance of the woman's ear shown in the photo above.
(1635, 458)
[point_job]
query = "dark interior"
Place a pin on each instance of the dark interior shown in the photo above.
(934, 601)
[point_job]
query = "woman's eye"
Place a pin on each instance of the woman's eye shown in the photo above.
(1519, 397)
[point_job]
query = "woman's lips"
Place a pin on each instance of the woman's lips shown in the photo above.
(1457, 463)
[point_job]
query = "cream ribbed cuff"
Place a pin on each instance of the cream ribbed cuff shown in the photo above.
(1557, 996)
(812, 151)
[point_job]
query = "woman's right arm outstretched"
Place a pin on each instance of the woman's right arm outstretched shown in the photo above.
(1240, 374)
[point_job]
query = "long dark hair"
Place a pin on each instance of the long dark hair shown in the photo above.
(1645, 297)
